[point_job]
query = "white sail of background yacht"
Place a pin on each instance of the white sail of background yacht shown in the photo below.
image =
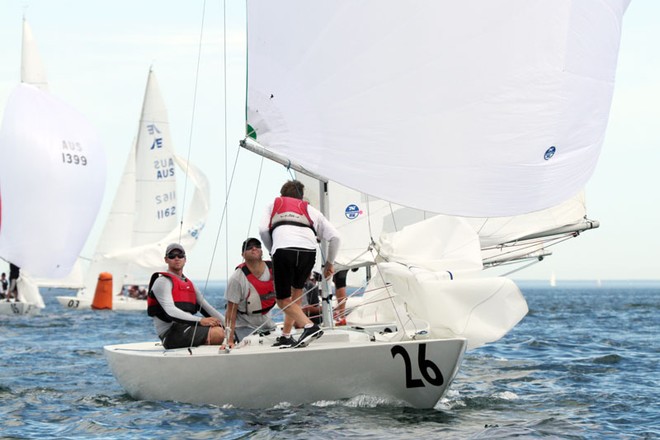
(145, 213)
(52, 181)
(476, 108)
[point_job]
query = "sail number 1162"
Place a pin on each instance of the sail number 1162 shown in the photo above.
(167, 212)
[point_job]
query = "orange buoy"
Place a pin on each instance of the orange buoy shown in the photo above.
(103, 293)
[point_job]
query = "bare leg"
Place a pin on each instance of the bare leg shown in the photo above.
(341, 303)
(293, 313)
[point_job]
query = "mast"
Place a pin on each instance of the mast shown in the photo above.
(326, 306)
(252, 145)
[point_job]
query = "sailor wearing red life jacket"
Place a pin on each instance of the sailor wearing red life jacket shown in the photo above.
(290, 230)
(173, 302)
(250, 295)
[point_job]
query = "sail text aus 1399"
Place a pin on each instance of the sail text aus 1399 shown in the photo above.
(74, 159)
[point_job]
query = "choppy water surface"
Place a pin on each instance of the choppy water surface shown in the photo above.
(582, 364)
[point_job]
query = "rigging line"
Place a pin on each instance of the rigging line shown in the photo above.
(254, 200)
(521, 268)
(389, 205)
(389, 286)
(222, 218)
(192, 117)
(371, 235)
(280, 311)
(544, 243)
(224, 76)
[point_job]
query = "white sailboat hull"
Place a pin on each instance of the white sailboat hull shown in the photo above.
(120, 304)
(18, 308)
(258, 375)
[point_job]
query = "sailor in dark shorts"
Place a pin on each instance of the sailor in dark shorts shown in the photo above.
(173, 302)
(289, 231)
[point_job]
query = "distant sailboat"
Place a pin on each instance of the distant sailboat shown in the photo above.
(144, 217)
(52, 182)
(553, 279)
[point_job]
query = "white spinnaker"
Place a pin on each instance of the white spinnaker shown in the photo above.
(512, 124)
(74, 280)
(52, 182)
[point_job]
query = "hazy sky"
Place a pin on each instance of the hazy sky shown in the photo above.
(97, 56)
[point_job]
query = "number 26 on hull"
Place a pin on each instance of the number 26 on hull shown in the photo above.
(426, 366)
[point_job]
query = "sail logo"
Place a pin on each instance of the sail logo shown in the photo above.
(158, 143)
(195, 230)
(549, 153)
(352, 212)
(164, 168)
(151, 129)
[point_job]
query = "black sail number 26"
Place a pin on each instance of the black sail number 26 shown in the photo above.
(424, 364)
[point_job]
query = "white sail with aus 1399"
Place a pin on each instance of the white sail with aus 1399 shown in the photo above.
(52, 183)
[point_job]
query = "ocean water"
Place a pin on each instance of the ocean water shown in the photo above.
(584, 363)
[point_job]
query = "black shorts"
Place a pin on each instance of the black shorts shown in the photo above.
(181, 335)
(339, 278)
(291, 269)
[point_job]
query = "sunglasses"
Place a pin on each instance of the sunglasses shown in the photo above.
(173, 255)
(252, 246)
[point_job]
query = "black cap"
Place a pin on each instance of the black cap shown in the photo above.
(250, 241)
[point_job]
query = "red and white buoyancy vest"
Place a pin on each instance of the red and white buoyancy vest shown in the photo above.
(261, 297)
(183, 294)
(290, 211)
